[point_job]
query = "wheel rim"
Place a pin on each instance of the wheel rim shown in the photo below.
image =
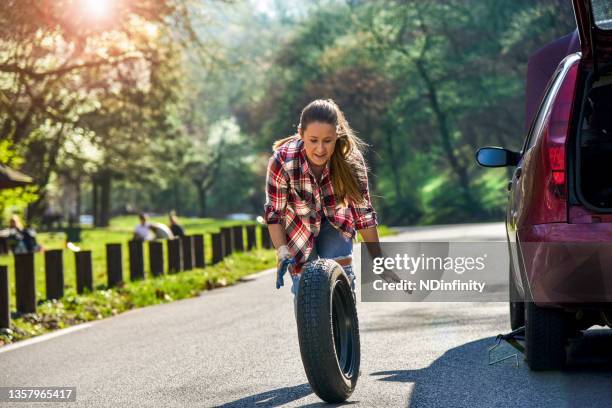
(344, 328)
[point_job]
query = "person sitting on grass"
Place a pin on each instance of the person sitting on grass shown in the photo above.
(143, 230)
(20, 240)
(175, 227)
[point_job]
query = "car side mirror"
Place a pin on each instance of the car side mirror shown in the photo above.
(497, 157)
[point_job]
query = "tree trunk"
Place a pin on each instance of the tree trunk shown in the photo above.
(7, 129)
(36, 209)
(393, 165)
(78, 204)
(95, 193)
(201, 200)
(459, 170)
(177, 197)
(105, 199)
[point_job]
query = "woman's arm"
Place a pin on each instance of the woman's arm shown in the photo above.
(276, 200)
(277, 234)
(370, 238)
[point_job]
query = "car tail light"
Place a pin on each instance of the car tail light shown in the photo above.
(555, 132)
(556, 156)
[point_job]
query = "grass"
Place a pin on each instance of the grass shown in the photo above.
(104, 302)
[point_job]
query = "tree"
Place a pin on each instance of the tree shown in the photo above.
(64, 70)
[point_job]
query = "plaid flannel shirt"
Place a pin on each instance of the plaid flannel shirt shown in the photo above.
(298, 202)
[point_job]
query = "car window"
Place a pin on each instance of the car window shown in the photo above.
(536, 126)
(602, 14)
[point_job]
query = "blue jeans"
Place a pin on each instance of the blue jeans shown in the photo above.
(330, 244)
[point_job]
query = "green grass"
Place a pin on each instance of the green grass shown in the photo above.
(103, 302)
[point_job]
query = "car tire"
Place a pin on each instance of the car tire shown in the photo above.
(328, 330)
(544, 337)
(517, 307)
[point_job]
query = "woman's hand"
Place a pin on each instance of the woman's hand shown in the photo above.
(370, 238)
(284, 259)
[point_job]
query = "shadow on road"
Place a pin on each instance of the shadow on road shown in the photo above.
(273, 398)
(279, 397)
(462, 377)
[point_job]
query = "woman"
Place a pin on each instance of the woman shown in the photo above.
(21, 240)
(317, 192)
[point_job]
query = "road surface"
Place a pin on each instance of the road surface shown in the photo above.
(237, 346)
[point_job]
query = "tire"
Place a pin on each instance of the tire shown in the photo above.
(517, 307)
(328, 330)
(544, 338)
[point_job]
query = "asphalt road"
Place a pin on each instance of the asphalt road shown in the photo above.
(238, 346)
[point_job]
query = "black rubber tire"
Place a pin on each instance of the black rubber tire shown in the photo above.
(328, 330)
(544, 338)
(517, 307)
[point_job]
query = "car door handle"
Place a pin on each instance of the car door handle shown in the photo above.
(518, 172)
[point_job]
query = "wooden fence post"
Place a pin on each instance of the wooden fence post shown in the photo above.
(54, 273)
(156, 258)
(251, 238)
(114, 264)
(136, 260)
(187, 244)
(238, 238)
(5, 313)
(175, 255)
(84, 271)
(198, 251)
(25, 283)
(266, 241)
(228, 248)
(217, 247)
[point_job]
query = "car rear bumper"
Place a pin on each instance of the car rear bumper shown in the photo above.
(567, 263)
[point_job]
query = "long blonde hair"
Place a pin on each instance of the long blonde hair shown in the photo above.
(347, 167)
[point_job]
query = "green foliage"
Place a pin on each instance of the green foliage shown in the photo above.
(92, 99)
(155, 111)
(492, 187)
(425, 84)
(13, 200)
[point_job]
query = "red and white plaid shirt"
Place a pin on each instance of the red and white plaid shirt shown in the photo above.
(297, 201)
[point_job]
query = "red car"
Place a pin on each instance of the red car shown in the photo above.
(559, 214)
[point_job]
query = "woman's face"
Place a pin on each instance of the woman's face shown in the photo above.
(319, 142)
